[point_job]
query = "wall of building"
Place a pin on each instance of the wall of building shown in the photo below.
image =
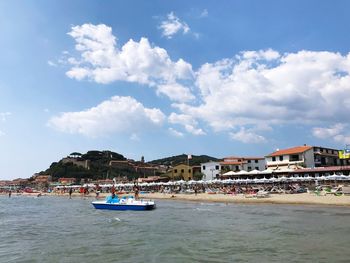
(211, 170)
(252, 164)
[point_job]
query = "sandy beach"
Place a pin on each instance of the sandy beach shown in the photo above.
(302, 199)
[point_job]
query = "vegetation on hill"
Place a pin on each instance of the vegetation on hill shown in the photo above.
(98, 166)
(178, 159)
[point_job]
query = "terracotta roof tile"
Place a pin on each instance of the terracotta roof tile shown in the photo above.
(294, 150)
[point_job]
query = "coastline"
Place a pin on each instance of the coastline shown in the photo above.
(288, 199)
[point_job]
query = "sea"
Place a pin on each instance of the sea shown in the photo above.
(58, 229)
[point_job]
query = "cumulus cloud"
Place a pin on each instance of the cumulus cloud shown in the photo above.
(247, 136)
(175, 133)
(187, 121)
(101, 61)
(117, 115)
(173, 25)
(258, 89)
(337, 133)
(265, 87)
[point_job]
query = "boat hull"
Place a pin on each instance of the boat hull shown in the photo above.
(123, 207)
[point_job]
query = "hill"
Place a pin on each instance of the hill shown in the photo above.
(93, 164)
(178, 159)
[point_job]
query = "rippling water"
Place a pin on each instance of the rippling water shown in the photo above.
(56, 229)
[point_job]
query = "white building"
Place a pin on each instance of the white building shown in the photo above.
(292, 158)
(236, 164)
(210, 170)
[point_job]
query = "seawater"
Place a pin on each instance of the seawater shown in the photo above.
(58, 229)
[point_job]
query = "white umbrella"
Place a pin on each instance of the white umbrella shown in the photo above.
(255, 172)
(241, 172)
(267, 171)
(229, 173)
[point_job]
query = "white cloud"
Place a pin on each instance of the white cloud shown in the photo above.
(4, 115)
(117, 115)
(51, 63)
(135, 137)
(2, 133)
(176, 92)
(101, 61)
(247, 136)
(337, 133)
(204, 13)
(175, 132)
(187, 121)
(325, 133)
(264, 87)
(173, 25)
(257, 89)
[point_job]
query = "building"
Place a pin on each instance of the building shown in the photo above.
(76, 161)
(67, 181)
(303, 157)
(141, 168)
(210, 170)
(291, 158)
(42, 179)
(325, 157)
(181, 171)
(236, 164)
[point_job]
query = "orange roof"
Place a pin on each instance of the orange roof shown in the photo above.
(231, 163)
(294, 150)
(253, 158)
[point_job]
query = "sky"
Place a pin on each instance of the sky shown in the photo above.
(163, 78)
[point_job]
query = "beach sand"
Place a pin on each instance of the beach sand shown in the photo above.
(302, 199)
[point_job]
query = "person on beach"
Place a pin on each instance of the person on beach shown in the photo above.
(136, 191)
(70, 193)
(98, 188)
(10, 192)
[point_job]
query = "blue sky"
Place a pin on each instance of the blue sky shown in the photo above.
(161, 78)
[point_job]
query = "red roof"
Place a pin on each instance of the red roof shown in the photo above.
(253, 158)
(232, 163)
(294, 150)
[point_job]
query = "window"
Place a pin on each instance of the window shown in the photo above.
(281, 158)
(256, 161)
(273, 158)
(256, 168)
(248, 161)
(294, 158)
(189, 170)
(175, 171)
(182, 170)
(237, 168)
(203, 167)
(249, 168)
(217, 167)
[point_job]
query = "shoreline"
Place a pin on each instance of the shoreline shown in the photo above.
(288, 199)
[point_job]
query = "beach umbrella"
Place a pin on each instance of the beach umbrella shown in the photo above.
(343, 177)
(282, 179)
(241, 172)
(254, 172)
(229, 173)
(267, 171)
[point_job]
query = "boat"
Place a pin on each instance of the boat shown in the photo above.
(128, 203)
